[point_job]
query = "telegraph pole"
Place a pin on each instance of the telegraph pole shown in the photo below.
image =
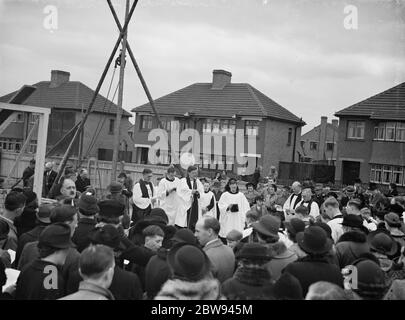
(116, 145)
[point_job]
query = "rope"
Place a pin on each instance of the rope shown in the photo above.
(99, 125)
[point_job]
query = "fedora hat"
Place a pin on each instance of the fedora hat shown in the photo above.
(354, 221)
(314, 240)
(381, 241)
(188, 262)
(393, 220)
(268, 225)
(253, 251)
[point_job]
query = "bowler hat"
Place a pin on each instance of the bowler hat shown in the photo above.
(57, 236)
(115, 187)
(88, 205)
(107, 235)
(295, 225)
(188, 262)
(157, 215)
(184, 236)
(325, 227)
(253, 251)
(268, 225)
(314, 240)
(393, 220)
(354, 221)
(44, 214)
(111, 208)
(381, 241)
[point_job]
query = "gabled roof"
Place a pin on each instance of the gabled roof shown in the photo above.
(388, 105)
(70, 95)
(239, 99)
(329, 126)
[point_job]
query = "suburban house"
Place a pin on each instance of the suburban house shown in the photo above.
(371, 142)
(319, 145)
(223, 109)
(69, 100)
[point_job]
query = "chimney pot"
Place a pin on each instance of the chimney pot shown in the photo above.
(58, 78)
(220, 78)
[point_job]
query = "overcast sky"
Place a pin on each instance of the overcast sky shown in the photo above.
(297, 52)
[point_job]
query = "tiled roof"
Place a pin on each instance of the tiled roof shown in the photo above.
(389, 104)
(239, 99)
(70, 95)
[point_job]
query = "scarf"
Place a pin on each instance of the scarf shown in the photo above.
(144, 189)
(193, 211)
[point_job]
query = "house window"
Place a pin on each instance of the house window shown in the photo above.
(166, 123)
(397, 175)
(224, 126)
(215, 126)
(184, 125)
(400, 136)
(289, 137)
(251, 128)
(146, 122)
(387, 174)
(390, 131)
(378, 173)
(302, 144)
(207, 126)
(330, 146)
(379, 131)
(372, 174)
(111, 127)
(313, 145)
(355, 129)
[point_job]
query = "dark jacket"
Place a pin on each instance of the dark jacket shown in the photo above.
(309, 270)
(48, 181)
(28, 237)
(28, 172)
(31, 282)
(80, 236)
(82, 184)
(30, 253)
(350, 246)
(157, 272)
(26, 221)
(249, 284)
(124, 286)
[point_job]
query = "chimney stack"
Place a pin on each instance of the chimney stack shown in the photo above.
(58, 78)
(335, 123)
(220, 79)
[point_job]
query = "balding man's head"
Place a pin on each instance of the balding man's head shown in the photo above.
(68, 188)
(296, 187)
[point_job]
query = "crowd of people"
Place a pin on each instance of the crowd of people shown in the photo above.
(200, 238)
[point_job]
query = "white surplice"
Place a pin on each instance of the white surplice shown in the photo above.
(232, 220)
(170, 203)
(205, 200)
(184, 193)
